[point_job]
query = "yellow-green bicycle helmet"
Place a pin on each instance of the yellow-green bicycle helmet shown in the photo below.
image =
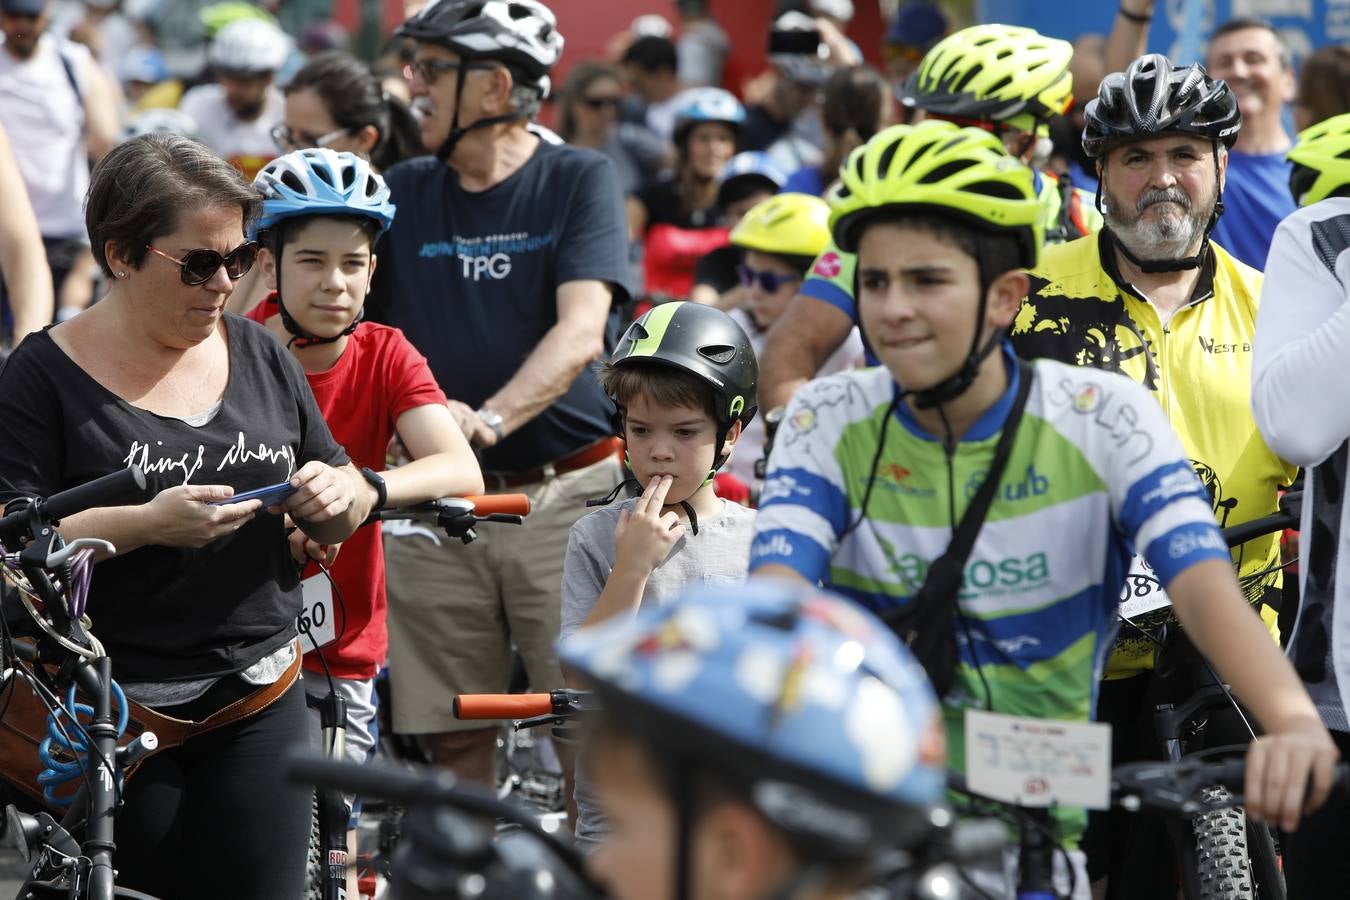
(994, 73)
(963, 173)
(785, 224)
(1321, 160)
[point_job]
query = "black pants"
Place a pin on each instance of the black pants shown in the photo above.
(215, 818)
(1134, 850)
(1317, 855)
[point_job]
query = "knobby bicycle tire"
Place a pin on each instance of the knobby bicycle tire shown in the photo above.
(1221, 851)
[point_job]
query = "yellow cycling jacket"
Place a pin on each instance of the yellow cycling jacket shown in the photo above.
(1080, 310)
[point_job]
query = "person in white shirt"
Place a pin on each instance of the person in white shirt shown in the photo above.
(1298, 397)
(57, 106)
(235, 115)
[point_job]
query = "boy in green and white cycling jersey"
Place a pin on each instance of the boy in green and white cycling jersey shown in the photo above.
(872, 470)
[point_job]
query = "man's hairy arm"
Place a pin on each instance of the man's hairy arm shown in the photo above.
(569, 346)
(799, 343)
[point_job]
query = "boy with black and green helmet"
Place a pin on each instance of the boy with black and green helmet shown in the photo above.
(684, 381)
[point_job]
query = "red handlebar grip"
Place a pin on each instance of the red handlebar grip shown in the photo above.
(511, 504)
(502, 706)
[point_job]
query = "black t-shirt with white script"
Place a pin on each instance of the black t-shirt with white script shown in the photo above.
(170, 613)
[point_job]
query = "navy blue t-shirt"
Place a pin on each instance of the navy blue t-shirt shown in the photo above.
(472, 279)
(1256, 199)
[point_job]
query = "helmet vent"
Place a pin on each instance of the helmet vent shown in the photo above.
(718, 353)
(884, 163)
(292, 181)
(968, 78)
(1000, 189)
(321, 172)
(946, 170)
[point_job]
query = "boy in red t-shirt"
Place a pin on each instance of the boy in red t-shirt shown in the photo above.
(322, 213)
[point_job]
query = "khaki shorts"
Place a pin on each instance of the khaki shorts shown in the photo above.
(455, 610)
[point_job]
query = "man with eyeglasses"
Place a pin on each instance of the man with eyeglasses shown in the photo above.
(503, 267)
(237, 116)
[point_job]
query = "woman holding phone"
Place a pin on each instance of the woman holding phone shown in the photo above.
(197, 609)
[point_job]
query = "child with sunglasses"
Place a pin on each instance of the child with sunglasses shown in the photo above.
(322, 213)
(778, 239)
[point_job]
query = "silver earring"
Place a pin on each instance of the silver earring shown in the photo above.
(121, 274)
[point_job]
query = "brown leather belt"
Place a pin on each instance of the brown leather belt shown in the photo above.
(25, 724)
(587, 456)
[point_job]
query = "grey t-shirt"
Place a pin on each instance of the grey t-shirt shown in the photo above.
(718, 554)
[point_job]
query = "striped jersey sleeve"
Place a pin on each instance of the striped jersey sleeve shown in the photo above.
(804, 507)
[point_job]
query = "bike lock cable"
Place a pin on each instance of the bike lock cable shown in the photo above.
(58, 771)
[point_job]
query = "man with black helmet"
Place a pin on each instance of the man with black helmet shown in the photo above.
(1153, 297)
(503, 269)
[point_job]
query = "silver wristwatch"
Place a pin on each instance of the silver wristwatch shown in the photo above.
(492, 420)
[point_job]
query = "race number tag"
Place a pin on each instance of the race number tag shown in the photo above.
(1142, 592)
(317, 615)
(1038, 762)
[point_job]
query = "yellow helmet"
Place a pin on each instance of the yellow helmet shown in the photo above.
(1321, 160)
(994, 73)
(936, 166)
(788, 224)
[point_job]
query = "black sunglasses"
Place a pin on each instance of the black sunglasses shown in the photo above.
(769, 281)
(599, 103)
(198, 266)
(430, 70)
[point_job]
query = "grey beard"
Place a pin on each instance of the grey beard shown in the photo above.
(1167, 238)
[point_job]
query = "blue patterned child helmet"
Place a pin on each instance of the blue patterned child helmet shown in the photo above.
(319, 181)
(803, 699)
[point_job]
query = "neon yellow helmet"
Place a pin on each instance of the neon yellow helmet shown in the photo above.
(959, 172)
(1321, 160)
(786, 224)
(218, 15)
(995, 73)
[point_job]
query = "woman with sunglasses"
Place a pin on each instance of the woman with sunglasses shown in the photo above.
(778, 240)
(589, 117)
(197, 606)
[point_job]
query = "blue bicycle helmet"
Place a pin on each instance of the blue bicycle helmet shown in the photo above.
(805, 700)
(706, 104)
(319, 181)
(747, 172)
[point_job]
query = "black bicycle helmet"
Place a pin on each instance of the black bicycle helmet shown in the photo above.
(706, 343)
(1152, 97)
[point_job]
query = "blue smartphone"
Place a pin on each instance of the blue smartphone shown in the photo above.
(270, 495)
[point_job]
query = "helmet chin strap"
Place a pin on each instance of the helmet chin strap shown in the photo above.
(458, 131)
(1185, 263)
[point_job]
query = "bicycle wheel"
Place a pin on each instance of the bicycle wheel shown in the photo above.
(1221, 851)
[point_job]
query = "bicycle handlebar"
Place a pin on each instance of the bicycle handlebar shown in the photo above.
(521, 706)
(500, 504)
(115, 489)
(1288, 517)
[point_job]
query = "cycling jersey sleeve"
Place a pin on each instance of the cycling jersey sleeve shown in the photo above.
(1303, 336)
(803, 509)
(1157, 499)
(831, 279)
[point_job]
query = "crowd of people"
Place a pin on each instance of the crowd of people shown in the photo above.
(940, 355)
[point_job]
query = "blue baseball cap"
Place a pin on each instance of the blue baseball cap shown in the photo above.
(917, 25)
